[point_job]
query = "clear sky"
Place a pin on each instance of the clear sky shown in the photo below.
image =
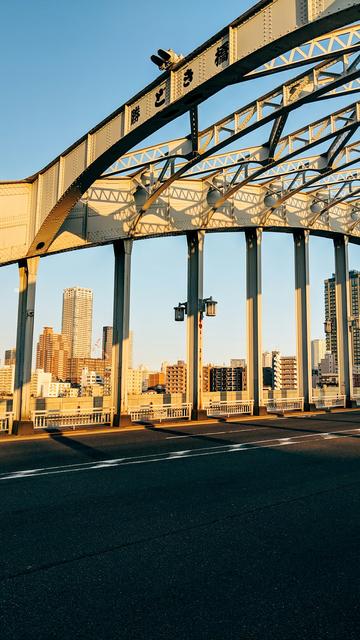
(64, 67)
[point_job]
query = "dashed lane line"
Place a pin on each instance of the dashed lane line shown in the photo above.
(177, 455)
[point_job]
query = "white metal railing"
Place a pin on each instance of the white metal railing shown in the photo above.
(231, 408)
(160, 412)
(280, 405)
(71, 418)
(356, 398)
(326, 402)
(6, 420)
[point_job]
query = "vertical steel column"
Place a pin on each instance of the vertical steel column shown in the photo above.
(253, 312)
(24, 344)
(121, 327)
(343, 331)
(195, 240)
(302, 306)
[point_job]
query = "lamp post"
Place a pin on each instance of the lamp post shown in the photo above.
(207, 307)
(204, 306)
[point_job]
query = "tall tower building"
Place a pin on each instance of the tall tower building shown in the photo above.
(318, 349)
(77, 320)
(107, 345)
(52, 353)
(330, 313)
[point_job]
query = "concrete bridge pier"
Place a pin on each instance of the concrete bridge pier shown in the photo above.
(121, 331)
(254, 321)
(302, 307)
(195, 295)
(24, 345)
(343, 314)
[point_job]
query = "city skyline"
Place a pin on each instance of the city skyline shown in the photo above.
(159, 269)
(278, 328)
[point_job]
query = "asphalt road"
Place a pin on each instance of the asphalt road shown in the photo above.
(237, 531)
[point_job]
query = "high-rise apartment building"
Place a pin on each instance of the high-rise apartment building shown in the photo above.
(107, 344)
(10, 357)
(7, 375)
(176, 377)
(330, 313)
(227, 379)
(318, 349)
(284, 371)
(52, 353)
(77, 320)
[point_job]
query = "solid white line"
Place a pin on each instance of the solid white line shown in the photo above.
(213, 433)
(175, 455)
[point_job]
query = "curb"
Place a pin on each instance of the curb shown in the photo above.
(179, 425)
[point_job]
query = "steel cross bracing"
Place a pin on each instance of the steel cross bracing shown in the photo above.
(267, 30)
(339, 125)
(329, 79)
(275, 35)
(160, 218)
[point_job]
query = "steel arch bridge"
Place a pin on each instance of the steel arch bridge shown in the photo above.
(105, 189)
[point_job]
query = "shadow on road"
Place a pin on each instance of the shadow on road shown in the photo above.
(79, 447)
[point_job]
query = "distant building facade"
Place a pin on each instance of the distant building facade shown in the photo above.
(227, 379)
(318, 349)
(77, 320)
(176, 375)
(52, 353)
(107, 339)
(10, 357)
(7, 376)
(78, 364)
(330, 313)
(285, 374)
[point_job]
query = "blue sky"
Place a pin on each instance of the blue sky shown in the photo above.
(64, 67)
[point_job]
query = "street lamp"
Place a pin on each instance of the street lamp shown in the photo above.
(210, 307)
(180, 311)
(207, 306)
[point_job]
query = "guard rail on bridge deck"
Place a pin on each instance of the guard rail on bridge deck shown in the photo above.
(356, 399)
(71, 418)
(328, 402)
(232, 408)
(6, 420)
(280, 405)
(161, 412)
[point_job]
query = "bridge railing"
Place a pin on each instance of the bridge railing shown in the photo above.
(280, 405)
(6, 421)
(327, 402)
(231, 408)
(160, 412)
(71, 418)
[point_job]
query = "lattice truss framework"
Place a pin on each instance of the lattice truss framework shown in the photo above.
(91, 194)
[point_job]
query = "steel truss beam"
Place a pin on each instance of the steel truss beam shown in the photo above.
(267, 30)
(317, 49)
(275, 106)
(329, 79)
(336, 125)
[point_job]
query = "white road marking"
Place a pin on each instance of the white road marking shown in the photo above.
(213, 433)
(176, 455)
